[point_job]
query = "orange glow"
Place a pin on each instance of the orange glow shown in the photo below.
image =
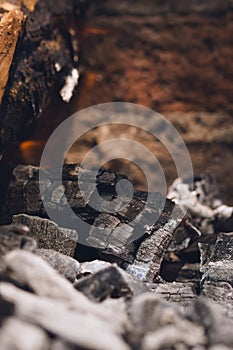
(90, 79)
(95, 31)
(31, 151)
(29, 145)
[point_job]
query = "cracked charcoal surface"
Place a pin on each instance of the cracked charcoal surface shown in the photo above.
(139, 310)
(155, 226)
(120, 312)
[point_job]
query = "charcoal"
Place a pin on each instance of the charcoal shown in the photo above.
(206, 209)
(110, 282)
(182, 294)
(65, 265)
(181, 335)
(40, 50)
(73, 323)
(149, 256)
(189, 273)
(217, 270)
(7, 309)
(31, 272)
(14, 237)
(137, 240)
(91, 267)
(19, 335)
(157, 325)
(219, 347)
(211, 316)
(221, 293)
(185, 238)
(48, 234)
(62, 345)
(103, 284)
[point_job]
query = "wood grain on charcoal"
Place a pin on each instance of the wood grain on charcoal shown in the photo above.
(155, 228)
(151, 315)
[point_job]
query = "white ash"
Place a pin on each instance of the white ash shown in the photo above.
(70, 84)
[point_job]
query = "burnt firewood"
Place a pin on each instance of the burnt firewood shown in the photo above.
(65, 265)
(7, 309)
(189, 273)
(16, 334)
(29, 271)
(218, 328)
(181, 293)
(105, 283)
(151, 251)
(14, 237)
(109, 282)
(48, 234)
(91, 267)
(206, 209)
(136, 240)
(217, 270)
(157, 324)
(38, 51)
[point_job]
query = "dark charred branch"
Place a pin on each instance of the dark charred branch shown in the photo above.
(38, 51)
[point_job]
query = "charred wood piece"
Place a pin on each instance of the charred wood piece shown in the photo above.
(137, 241)
(38, 51)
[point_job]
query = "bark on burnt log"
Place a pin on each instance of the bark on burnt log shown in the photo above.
(38, 50)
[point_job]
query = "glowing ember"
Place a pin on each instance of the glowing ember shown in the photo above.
(31, 151)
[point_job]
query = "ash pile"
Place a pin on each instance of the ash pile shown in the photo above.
(169, 288)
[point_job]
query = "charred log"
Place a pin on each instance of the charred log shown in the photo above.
(38, 51)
